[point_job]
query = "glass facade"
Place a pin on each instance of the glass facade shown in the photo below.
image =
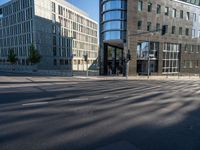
(195, 2)
(16, 30)
(114, 19)
(56, 28)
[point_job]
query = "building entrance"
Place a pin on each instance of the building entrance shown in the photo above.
(114, 60)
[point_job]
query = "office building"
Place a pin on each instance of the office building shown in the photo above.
(61, 33)
(134, 26)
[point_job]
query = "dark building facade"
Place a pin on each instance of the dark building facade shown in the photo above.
(135, 26)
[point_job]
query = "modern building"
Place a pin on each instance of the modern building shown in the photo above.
(135, 26)
(61, 33)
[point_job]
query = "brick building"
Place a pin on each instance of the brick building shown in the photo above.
(123, 21)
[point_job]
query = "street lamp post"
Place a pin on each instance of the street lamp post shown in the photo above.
(148, 70)
(127, 60)
(149, 63)
(149, 56)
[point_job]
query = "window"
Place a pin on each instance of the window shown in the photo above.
(187, 31)
(53, 6)
(139, 25)
(166, 28)
(60, 10)
(197, 64)
(173, 29)
(190, 64)
(140, 5)
(194, 17)
(148, 26)
(167, 11)
(158, 26)
(53, 18)
(199, 18)
(54, 51)
(171, 58)
(174, 13)
(188, 16)
(181, 14)
(158, 9)
(53, 29)
(199, 34)
(149, 7)
(193, 33)
(55, 62)
(180, 30)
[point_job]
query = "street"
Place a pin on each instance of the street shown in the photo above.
(60, 113)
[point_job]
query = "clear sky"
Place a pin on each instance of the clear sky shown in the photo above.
(90, 6)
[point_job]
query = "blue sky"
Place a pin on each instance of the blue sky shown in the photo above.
(90, 6)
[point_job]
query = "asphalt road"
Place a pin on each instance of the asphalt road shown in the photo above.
(57, 113)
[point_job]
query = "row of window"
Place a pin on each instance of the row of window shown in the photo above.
(117, 4)
(114, 15)
(174, 30)
(191, 64)
(78, 38)
(76, 26)
(64, 12)
(167, 11)
(18, 17)
(15, 6)
(191, 48)
(76, 35)
(90, 54)
(21, 51)
(16, 40)
(69, 43)
(22, 28)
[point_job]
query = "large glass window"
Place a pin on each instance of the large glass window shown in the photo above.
(111, 15)
(117, 4)
(146, 48)
(114, 35)
(171, 58)
(112, 25)
(114, 19)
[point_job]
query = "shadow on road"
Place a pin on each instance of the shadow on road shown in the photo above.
(151, 115)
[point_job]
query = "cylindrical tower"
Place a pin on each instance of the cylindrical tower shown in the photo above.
(113, 24)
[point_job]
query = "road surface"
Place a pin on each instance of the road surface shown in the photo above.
(50, 113)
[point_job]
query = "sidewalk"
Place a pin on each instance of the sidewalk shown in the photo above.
(139, 77)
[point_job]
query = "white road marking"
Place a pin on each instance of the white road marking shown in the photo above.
(36, 103)
(74, 100)
(105, 97)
